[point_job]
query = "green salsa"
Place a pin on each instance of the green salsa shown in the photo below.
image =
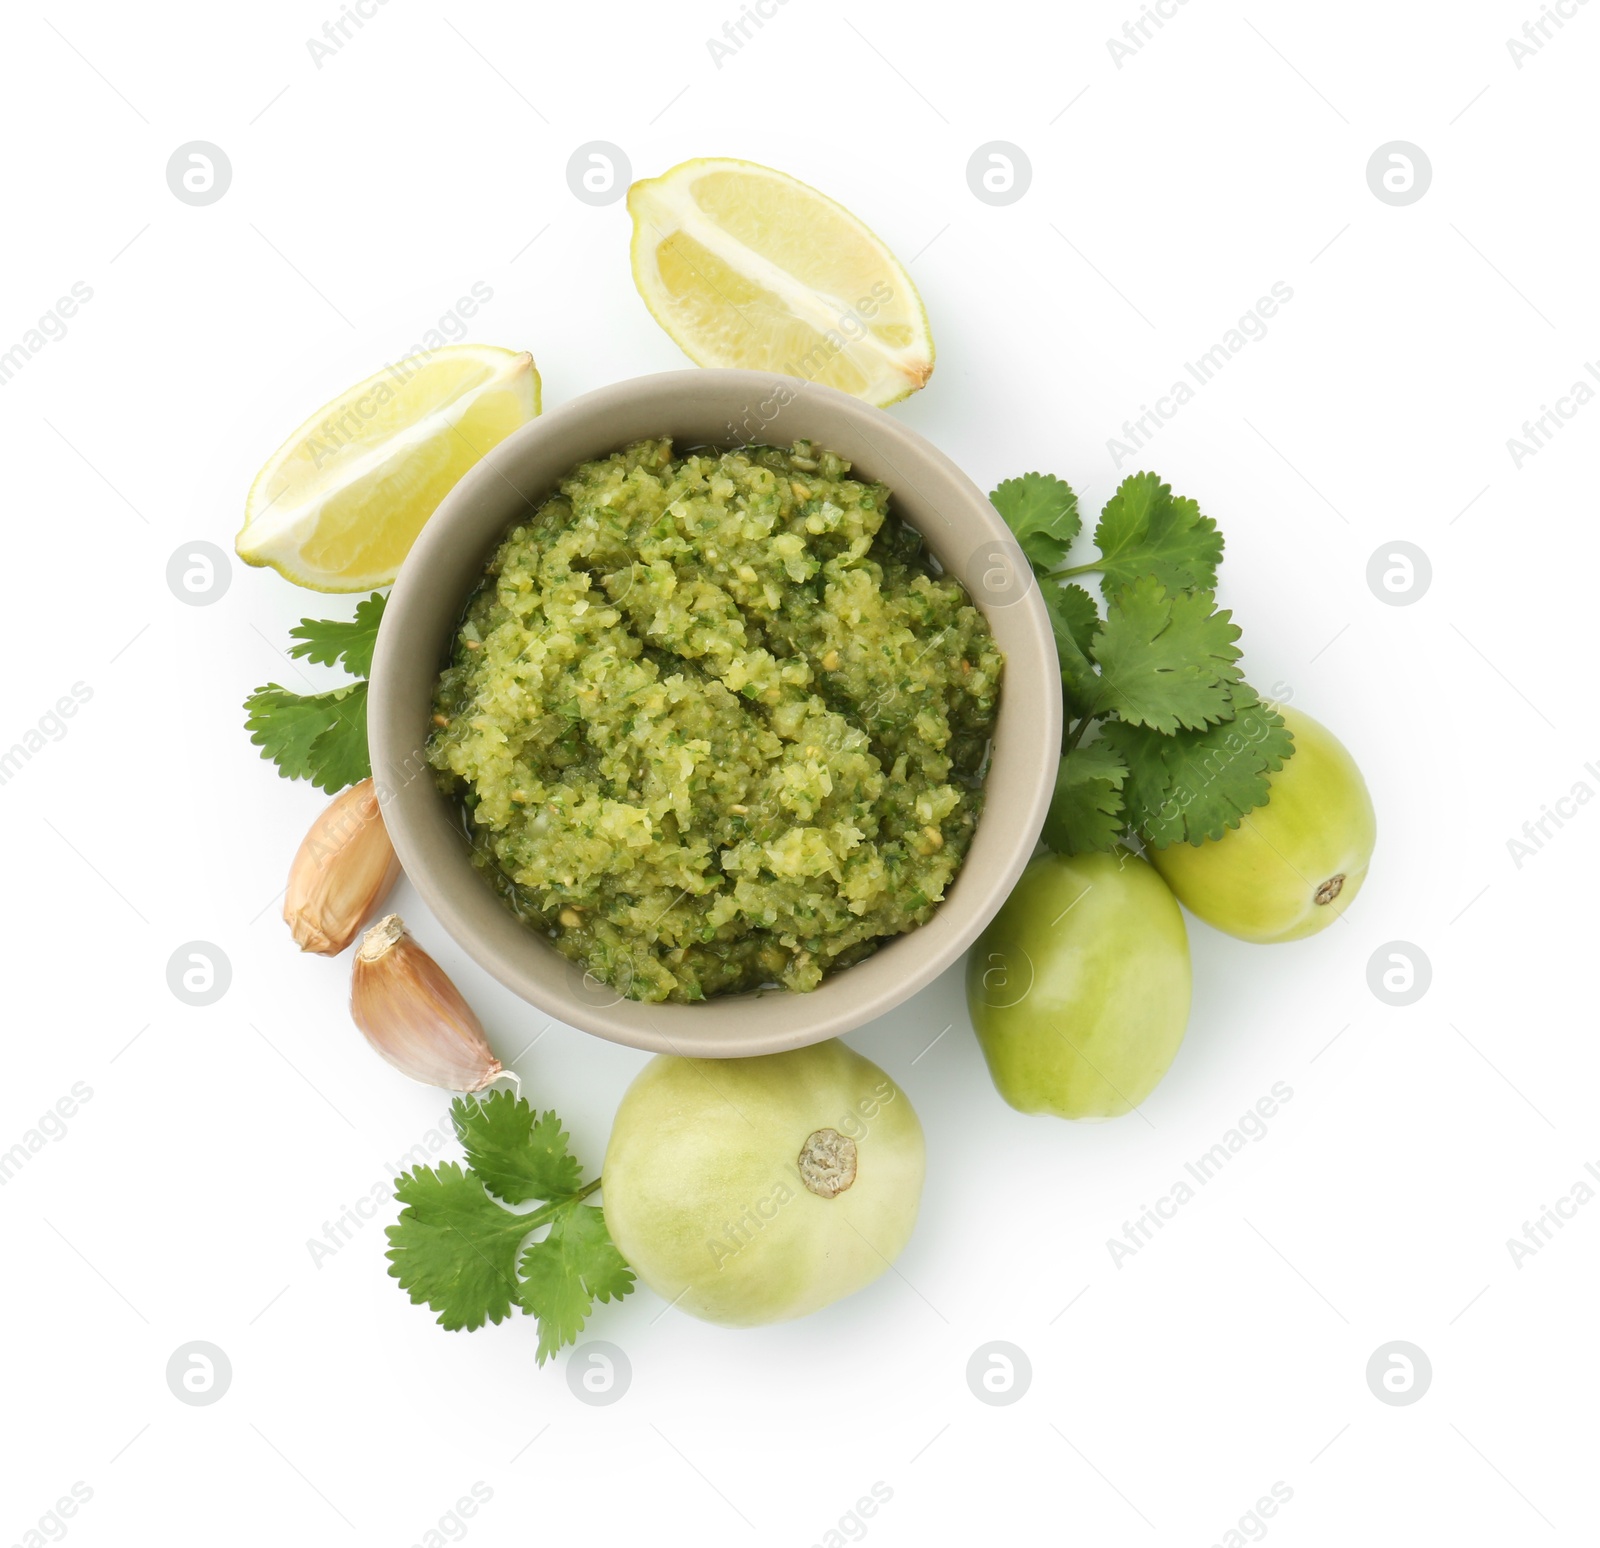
(717, 721)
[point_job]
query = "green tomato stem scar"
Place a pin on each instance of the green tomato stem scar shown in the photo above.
(827, 1163)
(1330, 889)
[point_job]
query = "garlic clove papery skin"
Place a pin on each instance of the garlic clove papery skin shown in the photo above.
(412, 1014)
(343, 870)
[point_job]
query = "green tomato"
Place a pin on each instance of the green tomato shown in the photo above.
(1292, 866)
(747, 1191)
(1079, 989)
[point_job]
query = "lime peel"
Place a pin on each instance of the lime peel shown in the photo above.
(399, 444)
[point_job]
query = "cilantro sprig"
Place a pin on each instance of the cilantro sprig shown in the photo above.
(1165, 737)
(458, 1249)
(321, 736)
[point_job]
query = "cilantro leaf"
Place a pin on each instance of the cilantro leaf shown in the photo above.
(454, 1247)
(1145, 531)
(284, 725)
(1195, 785)
(329, 641)
(518, 1154)
(1042, 512)
(1086, 811)
(317, 736)
(1074, 619)
(1167, 660)
(1072, 612)
(1219, 775)
(565, 1274)
(1143, 754)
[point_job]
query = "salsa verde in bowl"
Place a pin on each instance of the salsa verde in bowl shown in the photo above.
(682, 596)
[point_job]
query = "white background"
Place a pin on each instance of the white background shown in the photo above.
(1168, 1394)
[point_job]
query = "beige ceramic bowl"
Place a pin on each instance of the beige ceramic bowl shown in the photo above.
(701, 408)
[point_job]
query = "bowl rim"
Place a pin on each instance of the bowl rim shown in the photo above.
(409, 652)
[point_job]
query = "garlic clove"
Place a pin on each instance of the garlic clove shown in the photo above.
(412, 1014)
(344, 869)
